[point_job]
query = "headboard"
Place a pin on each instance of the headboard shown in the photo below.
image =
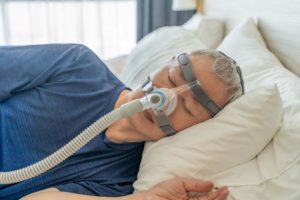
(278, 21)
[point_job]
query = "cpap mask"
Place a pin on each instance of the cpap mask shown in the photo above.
(162, 100)
(191, 83)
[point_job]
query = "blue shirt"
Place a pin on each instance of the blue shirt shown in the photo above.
(48, 95)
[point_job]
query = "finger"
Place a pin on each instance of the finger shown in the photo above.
(219, 194)
(215, 194)
(223, 195)
(207, 196)
(220, 189)
(196, 185)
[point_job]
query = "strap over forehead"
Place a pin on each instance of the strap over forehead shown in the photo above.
(188, 74)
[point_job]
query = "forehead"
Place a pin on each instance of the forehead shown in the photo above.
(202, 66)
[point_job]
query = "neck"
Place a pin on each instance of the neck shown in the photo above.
(122, 98)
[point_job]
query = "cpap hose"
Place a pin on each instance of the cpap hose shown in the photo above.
(150, 101)
(160, 99)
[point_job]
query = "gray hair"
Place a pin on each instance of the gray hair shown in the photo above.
(226, 69)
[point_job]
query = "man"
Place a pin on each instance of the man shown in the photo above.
(50, 93)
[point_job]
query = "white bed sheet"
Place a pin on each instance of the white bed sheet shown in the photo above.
(286, 185)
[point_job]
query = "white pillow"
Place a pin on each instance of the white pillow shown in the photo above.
(260, 176)
(237, 134)
(209, 30)
(260, 68)
(154, 50)
(246, 45)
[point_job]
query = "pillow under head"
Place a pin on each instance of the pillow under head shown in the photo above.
(236, 135)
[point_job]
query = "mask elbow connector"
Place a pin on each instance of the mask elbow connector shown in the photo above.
(160, 99)
(154, 100)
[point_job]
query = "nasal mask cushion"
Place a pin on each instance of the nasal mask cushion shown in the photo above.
(169, 103)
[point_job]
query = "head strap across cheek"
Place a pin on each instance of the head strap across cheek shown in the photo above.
(188, 74)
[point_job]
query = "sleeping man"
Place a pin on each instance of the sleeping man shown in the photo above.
(50, 93)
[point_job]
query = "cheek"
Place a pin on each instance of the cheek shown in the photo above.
(200, 113)
(204, 115)
(180, 120)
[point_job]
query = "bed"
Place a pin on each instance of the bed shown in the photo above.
(261, 158)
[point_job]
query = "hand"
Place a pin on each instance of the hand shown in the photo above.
(179, 188)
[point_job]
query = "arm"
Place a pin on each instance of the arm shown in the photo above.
(52, 193)
(26, 67)
(174, 189)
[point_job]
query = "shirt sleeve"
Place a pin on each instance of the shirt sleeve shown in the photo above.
(25, 67)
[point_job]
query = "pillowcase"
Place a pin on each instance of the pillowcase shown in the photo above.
(209, 30)
(156, 49)
(237, 134)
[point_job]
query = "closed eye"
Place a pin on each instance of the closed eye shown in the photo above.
(170, 80)
(187, 109)
(179, 75)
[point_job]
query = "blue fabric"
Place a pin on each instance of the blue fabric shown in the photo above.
(49, 94)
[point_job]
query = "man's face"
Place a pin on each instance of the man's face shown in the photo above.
(188, 110)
